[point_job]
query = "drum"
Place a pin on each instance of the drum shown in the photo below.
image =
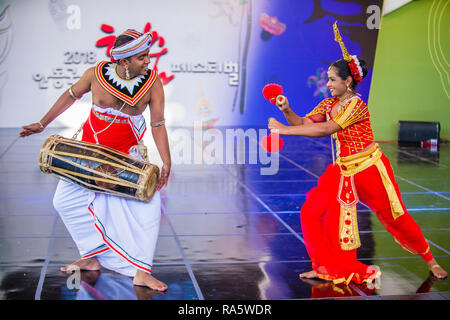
(98, 168)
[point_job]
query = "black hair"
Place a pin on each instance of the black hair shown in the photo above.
(120, 40)
(344, 70)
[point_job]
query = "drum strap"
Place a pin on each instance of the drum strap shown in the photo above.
(74, 137)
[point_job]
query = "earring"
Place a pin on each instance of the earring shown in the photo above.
(127, 74)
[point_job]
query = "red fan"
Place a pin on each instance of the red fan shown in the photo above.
(272, 143)
(271, 91)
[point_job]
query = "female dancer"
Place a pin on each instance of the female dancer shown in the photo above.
(361, 172)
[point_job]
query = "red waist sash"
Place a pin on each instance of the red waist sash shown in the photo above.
(119, 134)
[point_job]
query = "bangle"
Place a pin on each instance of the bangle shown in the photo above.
(72, 94)
(158, 124)
(42, 127)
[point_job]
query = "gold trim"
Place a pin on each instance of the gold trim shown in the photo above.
(356, 163)
(396, 205)
(338, 38)
(348, 230)
(322, 107)
(410, 250)
(343, 117)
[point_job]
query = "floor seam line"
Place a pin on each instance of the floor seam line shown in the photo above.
(186, 262)
(40, 284)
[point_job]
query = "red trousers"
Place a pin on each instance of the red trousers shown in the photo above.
(320, 223)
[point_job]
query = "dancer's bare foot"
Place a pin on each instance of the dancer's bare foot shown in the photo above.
(90, 264)
(147, 280)
(308, 275)
(145, 293)
(437, 270)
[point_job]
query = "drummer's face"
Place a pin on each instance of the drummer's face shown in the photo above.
(138, 64)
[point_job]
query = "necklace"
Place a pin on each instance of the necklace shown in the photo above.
(111, 73)
(343, 102)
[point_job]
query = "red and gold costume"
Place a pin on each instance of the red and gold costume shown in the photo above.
(361, 173)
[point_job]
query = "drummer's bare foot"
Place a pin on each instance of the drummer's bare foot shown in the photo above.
(437, 270)
(308, 275)
(145, 293)
(90, 264)
(147, 280)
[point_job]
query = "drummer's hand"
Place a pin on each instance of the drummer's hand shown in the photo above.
(276, 126)
(284, 106)
(31, 129)
(164, 177)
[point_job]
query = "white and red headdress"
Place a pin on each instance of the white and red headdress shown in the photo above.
(140, 42)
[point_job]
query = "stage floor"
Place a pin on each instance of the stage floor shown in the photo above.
(227, 232)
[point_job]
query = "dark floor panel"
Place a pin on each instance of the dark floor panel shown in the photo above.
(206, 188)
(280, 188)
(426, 219)
(23, 250)
(292, 219)
(19, 283)
(212, 204)
(250, 175)
(410, 276)
(228, 223)
(418, 201)
(27, 205)
(264, 281)
(25, 226)
(106, 285)
(243, 248)
(382, 245)
(284, 203)
(227, 231)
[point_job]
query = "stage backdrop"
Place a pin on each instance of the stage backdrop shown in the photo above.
(412, 71)
(213, 56)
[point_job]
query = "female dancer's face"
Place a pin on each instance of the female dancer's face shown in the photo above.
(337, 85)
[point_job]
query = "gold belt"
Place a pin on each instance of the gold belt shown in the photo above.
(358, 162)
(351, 165)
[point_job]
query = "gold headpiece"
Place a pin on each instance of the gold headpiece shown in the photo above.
(352, 61)
(338, 38)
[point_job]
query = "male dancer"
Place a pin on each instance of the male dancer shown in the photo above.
(117, 233)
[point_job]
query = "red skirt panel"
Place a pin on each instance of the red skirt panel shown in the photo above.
(320, 217)
(118, 134)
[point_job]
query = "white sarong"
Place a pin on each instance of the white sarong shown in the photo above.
(122, 233)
